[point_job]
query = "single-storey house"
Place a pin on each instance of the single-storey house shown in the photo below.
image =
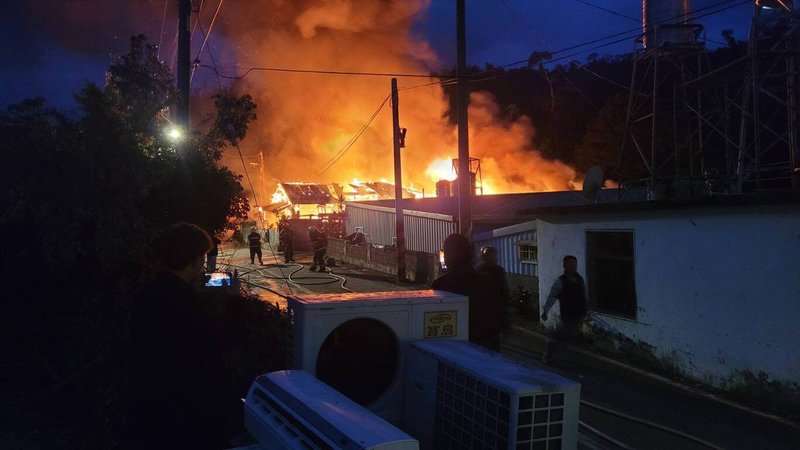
(711, 286)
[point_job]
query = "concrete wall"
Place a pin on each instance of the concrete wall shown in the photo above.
(718, 290)
(421, 268)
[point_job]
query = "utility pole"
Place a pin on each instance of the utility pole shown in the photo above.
(464, 176)
(183, 63)
(397, 136)
(264, 195)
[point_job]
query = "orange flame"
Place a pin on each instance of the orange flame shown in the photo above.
(308, 121)
(441, 169)
(280, 196)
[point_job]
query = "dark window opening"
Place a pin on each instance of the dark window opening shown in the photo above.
(359, 359)
(610, 272)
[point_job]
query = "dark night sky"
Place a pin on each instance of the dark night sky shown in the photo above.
(40, 62)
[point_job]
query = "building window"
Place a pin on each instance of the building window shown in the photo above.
(528, 253)
(610, 272)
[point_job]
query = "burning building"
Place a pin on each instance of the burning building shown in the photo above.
(316, 200)
(303, 200)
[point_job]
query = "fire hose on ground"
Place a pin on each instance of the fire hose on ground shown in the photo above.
(307, 280)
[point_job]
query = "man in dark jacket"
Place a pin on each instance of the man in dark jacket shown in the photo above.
(570, 291)
(495, 272)
(254, 239)
(287, 240)
(461, 278)
(178, 384)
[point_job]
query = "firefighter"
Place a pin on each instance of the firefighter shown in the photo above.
(287, 240)
(319, 243)
(255, 245)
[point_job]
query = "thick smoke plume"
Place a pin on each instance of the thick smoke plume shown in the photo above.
(306, 119)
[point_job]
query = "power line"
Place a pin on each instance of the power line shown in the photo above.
(197, 20)
(163, 23)
(608, 10)
(444, 82)
(213, 60)
(634, 19)
(561, 58)
(637, 31)
(206, 35)
(627, 35)
(341, 152)
(326, 72)
(535, 36)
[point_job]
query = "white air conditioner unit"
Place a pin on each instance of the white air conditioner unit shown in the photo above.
(356, 342)
(290, 409)
(460, 395)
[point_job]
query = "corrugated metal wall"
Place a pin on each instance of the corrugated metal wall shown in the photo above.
(424, 232)
(508, 253)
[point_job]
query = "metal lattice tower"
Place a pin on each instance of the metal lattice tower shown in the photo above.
(768, 149)
(475, 175)
(733, 129)
(664, 126)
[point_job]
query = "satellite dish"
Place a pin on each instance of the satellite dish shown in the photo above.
(593, 182)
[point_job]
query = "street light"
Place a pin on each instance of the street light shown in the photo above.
(175, 133)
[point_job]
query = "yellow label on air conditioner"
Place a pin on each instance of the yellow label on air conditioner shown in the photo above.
(440, 324)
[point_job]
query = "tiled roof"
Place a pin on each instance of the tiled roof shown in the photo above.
(307, 193)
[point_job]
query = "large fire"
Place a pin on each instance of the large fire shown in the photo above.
(306, 120)
(441, 169)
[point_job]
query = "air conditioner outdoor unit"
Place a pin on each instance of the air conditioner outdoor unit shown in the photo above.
(460, 395)
(356, 342)
(293, 410)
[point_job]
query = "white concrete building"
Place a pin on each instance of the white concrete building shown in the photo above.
(713, 285)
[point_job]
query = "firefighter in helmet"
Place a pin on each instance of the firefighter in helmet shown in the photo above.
(319, 243)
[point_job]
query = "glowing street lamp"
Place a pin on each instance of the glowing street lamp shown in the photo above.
(175, 133)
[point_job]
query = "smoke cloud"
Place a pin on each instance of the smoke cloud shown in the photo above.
(306, 119)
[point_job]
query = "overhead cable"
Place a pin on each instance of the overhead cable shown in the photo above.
(161, 35)
(610, 11)
(328, 72)
(638, 31)
(341, 152)
(206, 35)
(626, 35)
